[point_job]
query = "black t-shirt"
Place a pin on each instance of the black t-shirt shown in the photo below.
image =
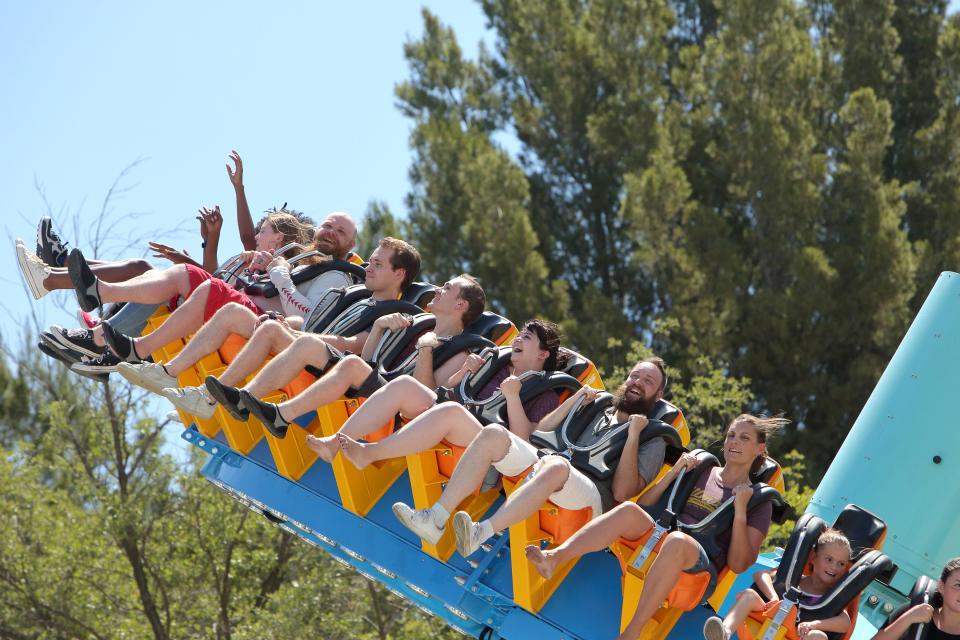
(932, 634)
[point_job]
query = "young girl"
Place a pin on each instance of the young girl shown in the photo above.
(830, 559)
(943, 613)
(744, 449)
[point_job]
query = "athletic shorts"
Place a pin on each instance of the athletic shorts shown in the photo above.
(370, 385)
(578, 492)
(222, 294)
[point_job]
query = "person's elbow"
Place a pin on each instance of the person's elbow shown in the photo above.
(624, 493)
(739, 565)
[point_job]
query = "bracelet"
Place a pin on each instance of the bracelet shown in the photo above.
(203, 245)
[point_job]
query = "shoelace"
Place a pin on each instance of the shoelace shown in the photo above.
(79, 333)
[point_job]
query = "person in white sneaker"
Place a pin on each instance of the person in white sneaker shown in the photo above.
(393, 265)
(552, 476)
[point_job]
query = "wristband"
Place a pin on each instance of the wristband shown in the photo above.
(203, 245)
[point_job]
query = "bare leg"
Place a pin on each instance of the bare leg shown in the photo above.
(747, 602)
(448, 421)
(349, 372)
(151, 287)
(232, 318)
(269, 337)
(185, 320)
(404, 395)
(524, 502)
(114, 271)
(679, 552)
(627, 520)
(307, 348)
(490, 445)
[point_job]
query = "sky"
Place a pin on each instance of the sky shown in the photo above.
(302, 90)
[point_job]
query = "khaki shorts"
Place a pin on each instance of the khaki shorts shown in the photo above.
(578, 492)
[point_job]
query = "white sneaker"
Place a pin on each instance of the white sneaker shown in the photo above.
(468, 533)
(420, 522)
(713, 629)
(194, 400)
(33, 269)
(152, 377)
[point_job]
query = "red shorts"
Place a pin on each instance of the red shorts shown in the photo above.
(220, 293)
(196, 277)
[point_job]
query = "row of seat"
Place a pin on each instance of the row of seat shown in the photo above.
(429, 470)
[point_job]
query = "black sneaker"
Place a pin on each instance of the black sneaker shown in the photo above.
(106, 363)
(266, 412)
(51, 249)
(79, 340)
(228, 397)
(84, 282)
(120, 344)
(66, 358)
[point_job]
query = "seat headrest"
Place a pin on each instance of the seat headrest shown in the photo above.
(769, 473)
(864, 529)
(419, 293)
(491, 326)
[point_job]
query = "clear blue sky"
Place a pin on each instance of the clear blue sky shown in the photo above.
(303, 90)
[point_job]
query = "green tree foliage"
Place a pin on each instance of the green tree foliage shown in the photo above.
(765, 190)
(105, 535)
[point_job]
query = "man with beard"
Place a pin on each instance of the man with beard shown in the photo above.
(552, 477)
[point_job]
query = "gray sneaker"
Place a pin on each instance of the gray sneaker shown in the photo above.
(194, 400)
(467, 533)
(713, 629)
(33, 269)
(419, 521)
(150, 376)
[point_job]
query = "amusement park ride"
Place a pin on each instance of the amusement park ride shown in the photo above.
(892, 488)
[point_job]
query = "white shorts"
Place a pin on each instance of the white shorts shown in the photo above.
(578, 492)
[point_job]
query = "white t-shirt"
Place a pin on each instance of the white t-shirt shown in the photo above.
(301, 302)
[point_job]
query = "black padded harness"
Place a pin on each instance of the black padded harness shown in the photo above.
(264, 287)
(600, 459)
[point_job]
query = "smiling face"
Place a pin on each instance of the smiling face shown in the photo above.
(268, 238)
(641, 390)
(830, 563)
(447, 300)
(335, 235)
(528, 354)
(950, 590)
(742, 444)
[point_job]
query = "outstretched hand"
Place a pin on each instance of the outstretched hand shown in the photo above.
(176, 256)
(236, 174)
(210, 222)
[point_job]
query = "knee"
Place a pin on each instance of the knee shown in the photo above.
(232, 313)
(494, 437)
(681, 546)
(269, 330)
(139, 265)
(354, 367)
(554, 471)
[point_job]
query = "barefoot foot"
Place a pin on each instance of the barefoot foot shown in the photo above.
(543, 563)
(325, 447)
(355, 452)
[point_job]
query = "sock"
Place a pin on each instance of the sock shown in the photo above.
(486, 530)
(439, 515)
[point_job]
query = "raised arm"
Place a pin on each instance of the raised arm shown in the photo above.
(248, 235)
(210, 224)
(686, 461)
(556, 417)
(745, 541)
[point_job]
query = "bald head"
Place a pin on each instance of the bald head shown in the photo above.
(336, 235)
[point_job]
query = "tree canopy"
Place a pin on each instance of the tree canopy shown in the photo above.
(766, 187)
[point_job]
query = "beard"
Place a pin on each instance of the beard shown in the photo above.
(640, 405)
(328, 246)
